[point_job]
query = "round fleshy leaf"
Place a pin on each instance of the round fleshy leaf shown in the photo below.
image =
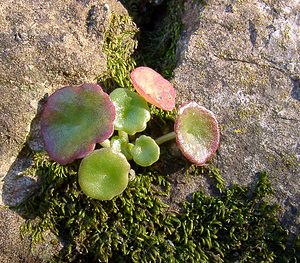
(103, 174)
(197, 133)
(74, 119)
(132, 111)
(145, 151)
(153, 87)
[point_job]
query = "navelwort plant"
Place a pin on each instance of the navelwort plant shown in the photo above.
(238, 224)
(76, 118)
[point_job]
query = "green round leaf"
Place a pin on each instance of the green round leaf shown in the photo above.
(103, 174)
(145, 151)
(132, 111)
(120, 144)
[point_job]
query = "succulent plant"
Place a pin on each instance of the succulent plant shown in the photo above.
(196, 131)
(153, 87)
(103, 174)
(132, 111)
(145, 151)
(74, 119)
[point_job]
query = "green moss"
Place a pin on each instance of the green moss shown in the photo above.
(156, 46)
(234, 225)
(210, 171)
(160, 29)
(137, 227)
(160, 52)
(119, 45)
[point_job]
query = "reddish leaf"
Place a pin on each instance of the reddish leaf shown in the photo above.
(153, 87)
(197, 133)
(74, 119)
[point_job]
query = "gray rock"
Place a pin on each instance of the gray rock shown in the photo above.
(241, 60)
(15, 249)
(43, 46)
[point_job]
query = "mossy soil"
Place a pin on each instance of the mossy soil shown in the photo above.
(235, 224)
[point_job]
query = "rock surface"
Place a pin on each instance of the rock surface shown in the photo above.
(15, 249)
(12, 248)
(44, 45)
(241, 59)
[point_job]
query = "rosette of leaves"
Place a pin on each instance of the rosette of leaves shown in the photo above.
(74, 119)
(132, 117)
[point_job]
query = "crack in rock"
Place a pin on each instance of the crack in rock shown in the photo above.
(295, 93)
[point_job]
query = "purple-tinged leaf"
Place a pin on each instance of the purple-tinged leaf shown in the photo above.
(74, 119)
(197, 133)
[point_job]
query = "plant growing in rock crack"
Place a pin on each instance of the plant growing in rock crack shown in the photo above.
(76, 118)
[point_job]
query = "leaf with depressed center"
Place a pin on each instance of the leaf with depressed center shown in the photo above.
(74, 119)
(197, 133)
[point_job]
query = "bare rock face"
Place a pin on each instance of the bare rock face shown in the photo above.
(16, 249)
(241, 59)
(44, 45)
(13, 249)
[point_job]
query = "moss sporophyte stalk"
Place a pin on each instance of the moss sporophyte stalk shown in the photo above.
(131, 223)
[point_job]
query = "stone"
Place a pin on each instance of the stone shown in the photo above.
(16, 249)
(241, 60)
(43, 46)
(12, 248)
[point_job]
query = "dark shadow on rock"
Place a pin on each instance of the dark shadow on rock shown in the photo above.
(18, 182)
(146, 14)
(185, 179)
(291, 216)
(296, 89)
(252, 33)
(17, 185)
